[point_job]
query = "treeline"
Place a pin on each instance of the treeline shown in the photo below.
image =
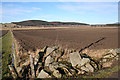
(112, 24)
(104, 25)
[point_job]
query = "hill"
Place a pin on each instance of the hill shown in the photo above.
(31, 23)
(114, 24)
(41, 22)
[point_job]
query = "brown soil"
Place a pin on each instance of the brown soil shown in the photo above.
(3, 32)
(71, 38)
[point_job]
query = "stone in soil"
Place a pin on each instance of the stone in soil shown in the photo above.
(87, 68)
(57, 74)
(75, 58)
(48, 60)
(43, 74)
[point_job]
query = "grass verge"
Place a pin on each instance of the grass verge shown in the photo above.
(6, 53)
(104, 73)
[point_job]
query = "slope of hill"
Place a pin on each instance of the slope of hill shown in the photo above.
(41, 22)
(114, 24)
(31, 23)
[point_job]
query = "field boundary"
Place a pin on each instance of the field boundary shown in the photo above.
(6, 52)
(38, 28)
(57, 28)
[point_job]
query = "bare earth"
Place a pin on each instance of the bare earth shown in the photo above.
(71, 38)
(3, 32)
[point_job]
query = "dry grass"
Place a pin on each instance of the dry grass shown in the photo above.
(96, 53)
(38, 28)
(104, 73)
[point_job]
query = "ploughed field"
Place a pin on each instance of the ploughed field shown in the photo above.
(3, 32)
(70, 38)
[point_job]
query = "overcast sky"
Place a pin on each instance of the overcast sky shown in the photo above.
(86, 12)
